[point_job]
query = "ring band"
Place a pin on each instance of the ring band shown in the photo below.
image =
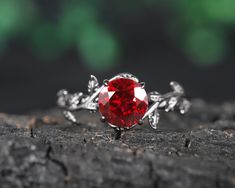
(123, 102)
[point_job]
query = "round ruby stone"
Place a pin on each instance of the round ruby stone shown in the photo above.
(123, 102)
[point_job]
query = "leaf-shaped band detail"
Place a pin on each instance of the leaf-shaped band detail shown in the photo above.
(93, 84)
(168, 102)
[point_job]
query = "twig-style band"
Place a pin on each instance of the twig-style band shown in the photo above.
(123, 102)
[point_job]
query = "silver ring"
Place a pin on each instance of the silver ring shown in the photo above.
(123, 102)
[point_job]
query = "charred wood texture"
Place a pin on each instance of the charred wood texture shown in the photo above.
(42, 149)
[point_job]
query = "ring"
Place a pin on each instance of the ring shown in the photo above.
(123, 102)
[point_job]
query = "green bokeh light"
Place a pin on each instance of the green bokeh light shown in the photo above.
(74, 20)
(80, 25)
(15, 15)
(205, 46)
(46, 42)
(8, 15)
(220, 11)
(99, 48)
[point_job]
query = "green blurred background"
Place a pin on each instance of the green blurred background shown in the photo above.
(46, 45)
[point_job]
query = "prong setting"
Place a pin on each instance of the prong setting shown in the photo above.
(106, 82)
(141, 122)
(125, 75)
(142, 84)
(102, 119)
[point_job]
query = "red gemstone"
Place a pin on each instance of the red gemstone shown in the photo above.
(123, 102)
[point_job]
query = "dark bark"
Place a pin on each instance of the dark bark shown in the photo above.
(44, 150)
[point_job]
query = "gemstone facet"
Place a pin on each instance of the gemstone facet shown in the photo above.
(123, 102)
